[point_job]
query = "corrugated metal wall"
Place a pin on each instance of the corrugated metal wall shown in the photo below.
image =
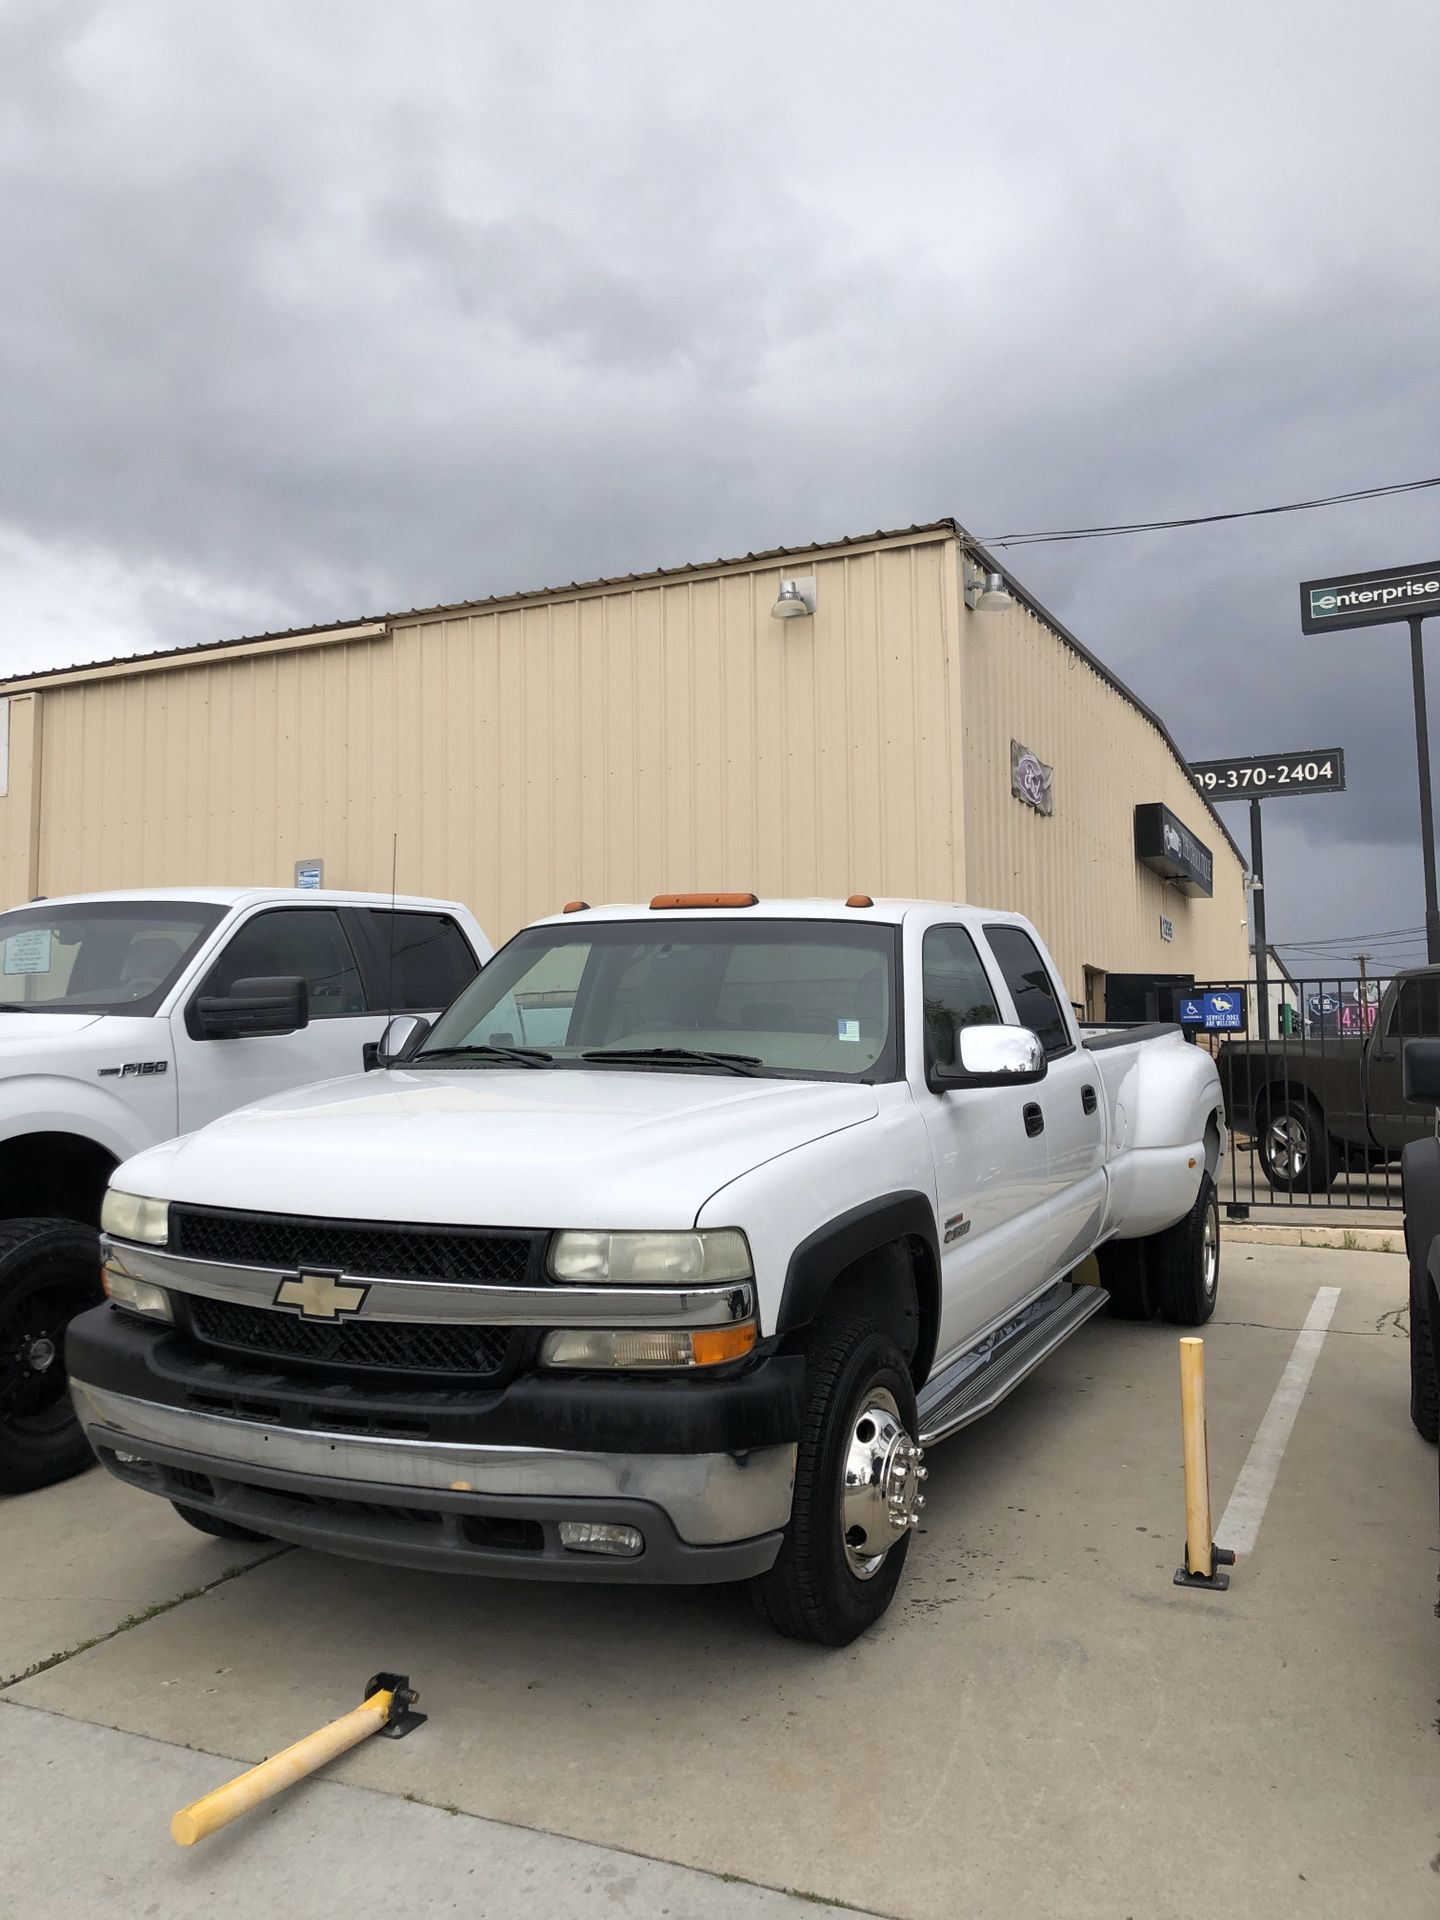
(1074, 871)
(224, 773)
(677, 736)
(617, 742)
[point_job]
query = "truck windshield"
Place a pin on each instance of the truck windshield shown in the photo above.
(810, 999)
(105, 956)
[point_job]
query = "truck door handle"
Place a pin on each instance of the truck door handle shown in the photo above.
(1087, 1099)
(1034, 1120)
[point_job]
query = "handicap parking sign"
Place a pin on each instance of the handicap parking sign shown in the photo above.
(1214, 1012)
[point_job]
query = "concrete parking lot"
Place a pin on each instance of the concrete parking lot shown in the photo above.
(1044, 1724)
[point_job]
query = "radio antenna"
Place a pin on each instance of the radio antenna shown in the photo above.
(390, 984)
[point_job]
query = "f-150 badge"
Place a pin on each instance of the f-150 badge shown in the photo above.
(133, 1067)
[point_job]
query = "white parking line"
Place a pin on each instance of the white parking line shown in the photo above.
(1240, 1523)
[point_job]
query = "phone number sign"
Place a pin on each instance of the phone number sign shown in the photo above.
(1269, 776)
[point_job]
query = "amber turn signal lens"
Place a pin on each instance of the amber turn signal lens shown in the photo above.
(662, 901)
(725, 1343)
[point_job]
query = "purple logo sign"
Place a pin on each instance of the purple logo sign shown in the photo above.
(1030, 779)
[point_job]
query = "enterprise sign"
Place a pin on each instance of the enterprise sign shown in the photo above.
(1368, 599)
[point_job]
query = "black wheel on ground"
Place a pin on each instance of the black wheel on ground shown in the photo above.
(1420, 1182)
(212, 1523)
(1126, 1278)
(1184, 1261)
(1296, 1154)
(49, 1272)
(857, 1478)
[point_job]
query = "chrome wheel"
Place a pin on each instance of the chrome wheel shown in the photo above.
(880, 1499)
(1287, 1147)
(1210, 1249)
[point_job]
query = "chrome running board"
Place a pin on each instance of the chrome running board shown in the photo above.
(973, 1385)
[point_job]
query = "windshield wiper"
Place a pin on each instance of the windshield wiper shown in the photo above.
(735, 1062)
(526, 1056)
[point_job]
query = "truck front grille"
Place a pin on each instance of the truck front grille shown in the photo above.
(375, 1250)
(390, 1346)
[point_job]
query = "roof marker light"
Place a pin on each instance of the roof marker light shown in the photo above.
(859, 900)
(664, 901)
(576, 906)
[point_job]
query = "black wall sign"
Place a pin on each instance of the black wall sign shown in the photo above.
(1166, 845)
(1367, 599)
(1269, 776)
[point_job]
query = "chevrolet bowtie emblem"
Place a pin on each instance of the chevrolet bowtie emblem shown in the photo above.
(320, 1296)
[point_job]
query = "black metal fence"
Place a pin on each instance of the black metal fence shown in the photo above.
(1312, 1076)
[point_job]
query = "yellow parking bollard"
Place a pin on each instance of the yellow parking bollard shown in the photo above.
(1202, 1556)
(386, 1709)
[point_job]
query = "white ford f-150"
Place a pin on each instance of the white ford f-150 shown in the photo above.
(661, 1256)
(130, 1017)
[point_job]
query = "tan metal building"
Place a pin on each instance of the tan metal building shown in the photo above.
(625, 737)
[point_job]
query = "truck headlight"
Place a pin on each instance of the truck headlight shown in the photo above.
(640, 1349)
(652, 1259)
(130, 1216)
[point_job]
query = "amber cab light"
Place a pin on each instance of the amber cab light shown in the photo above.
(859, 900)
(666, 901)
(576, 906)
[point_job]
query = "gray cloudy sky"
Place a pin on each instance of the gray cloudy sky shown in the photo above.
(321, 309)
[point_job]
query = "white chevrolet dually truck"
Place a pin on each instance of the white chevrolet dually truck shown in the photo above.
(130, 1017)
(661, 1256)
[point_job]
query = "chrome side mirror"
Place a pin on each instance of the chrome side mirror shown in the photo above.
(993, 1056)
(403, 1034)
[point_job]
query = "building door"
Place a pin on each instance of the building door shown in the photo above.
(1095, 994)
(991, 1175)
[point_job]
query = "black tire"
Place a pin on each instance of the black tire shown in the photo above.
(1125, 1276)
(1296, 1153)
(1184, 1262)
(811, 1592)
(212, 1523)
(49, 1272)
(1420, 1182)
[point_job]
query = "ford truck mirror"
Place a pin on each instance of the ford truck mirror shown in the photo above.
(992, 1056)
(266, 1004)
(1420, 1072)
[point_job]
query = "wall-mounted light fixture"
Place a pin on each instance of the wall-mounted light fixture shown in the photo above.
(986, 592)
(797, 599)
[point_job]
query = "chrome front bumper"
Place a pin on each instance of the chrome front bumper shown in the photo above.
(481, 1508)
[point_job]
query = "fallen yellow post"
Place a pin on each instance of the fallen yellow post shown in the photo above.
(1202, 1556)
(385, 1709)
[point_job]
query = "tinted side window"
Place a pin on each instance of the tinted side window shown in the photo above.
(957, 991)
(433, 961)
(309, 941)
(1417, 1009)
(1037, 1005)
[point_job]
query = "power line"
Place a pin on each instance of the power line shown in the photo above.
(1206, 519)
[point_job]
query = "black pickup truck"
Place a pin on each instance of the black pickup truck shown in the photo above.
(1317, 1102)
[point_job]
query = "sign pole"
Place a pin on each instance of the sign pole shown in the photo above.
(1257, 895)
(1427, 805)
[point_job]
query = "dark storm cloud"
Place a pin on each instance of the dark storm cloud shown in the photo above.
(315, 311)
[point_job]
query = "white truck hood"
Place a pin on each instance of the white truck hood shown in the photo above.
(494, 1146)
(38, 1032)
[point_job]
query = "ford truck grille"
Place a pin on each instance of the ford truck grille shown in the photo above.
(390, 1346)
(372, 1249)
